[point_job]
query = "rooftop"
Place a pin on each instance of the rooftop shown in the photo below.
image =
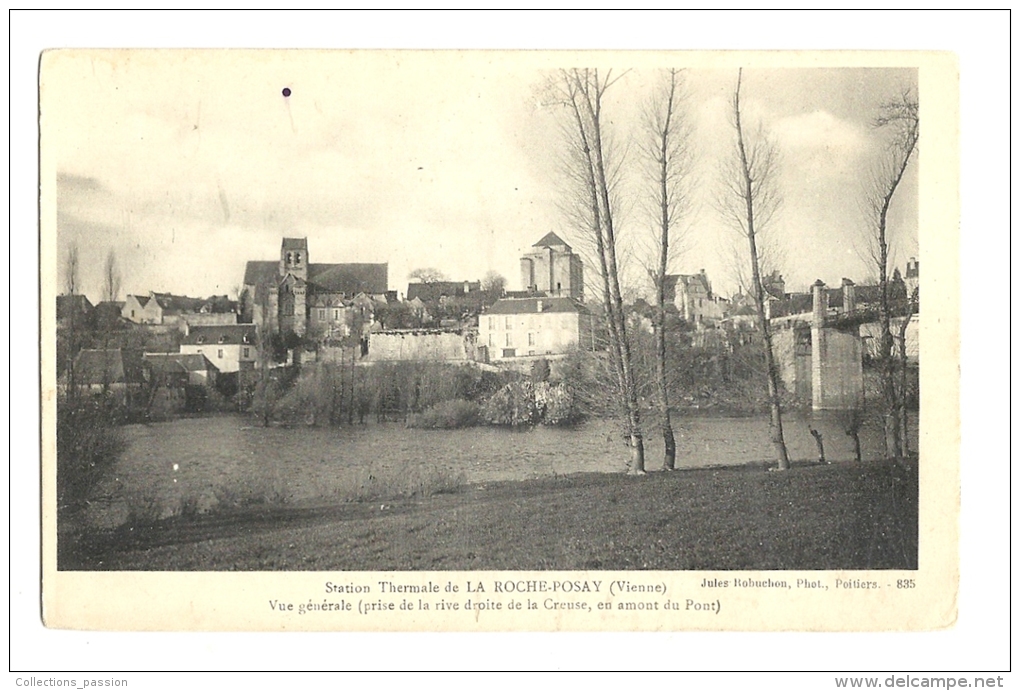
(295, 243)
(551, 239)
(531, 306)
(227, 334)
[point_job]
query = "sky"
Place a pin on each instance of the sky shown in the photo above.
(188, 164)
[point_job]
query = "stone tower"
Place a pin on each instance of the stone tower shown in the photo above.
(293, 289)
(552, 267)
(294, 258)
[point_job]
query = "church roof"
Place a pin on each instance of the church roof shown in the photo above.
(350, 279)
(260, 273)
(551, 239)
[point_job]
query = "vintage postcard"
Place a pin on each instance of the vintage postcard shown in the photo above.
(468, 341)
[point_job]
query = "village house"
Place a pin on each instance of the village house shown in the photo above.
(291, 294)
(73, 310)
(198, 369)
(439, 292)
(180, 381)
(535, 326)
(697, 304)
(184, 312)
(230, 347)
(116, 373)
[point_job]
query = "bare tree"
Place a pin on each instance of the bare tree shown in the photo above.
(902, 413)
(71, 270)
(667, 150)
(111, 278)
(749, 202)
(427, 274)
(266, 390)
(494, 283)
(898, 117)
(582, 92)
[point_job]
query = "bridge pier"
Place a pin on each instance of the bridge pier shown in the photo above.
(837, 373)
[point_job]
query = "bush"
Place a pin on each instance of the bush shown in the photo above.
(513, 405)
(144, 508)
(251, 490)
(88, 446)
(447, 415)
(406, 482)
(557, 404)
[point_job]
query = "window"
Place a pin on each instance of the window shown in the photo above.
(322, 315)
(492, 339)
(219, 353)
(200, 340)
(531, 340)
(492, 323)
(297, 258)
(246, 352)
(509, 323)
(336, 315)
(509, 340)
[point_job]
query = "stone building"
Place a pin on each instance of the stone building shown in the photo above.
(534, 327)
(551, 267)
(230, 348)
(912, 276)
(280, 295)
(166, 309)
(117, 373)
(697, 304)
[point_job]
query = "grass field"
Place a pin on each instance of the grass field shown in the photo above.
(840, 516)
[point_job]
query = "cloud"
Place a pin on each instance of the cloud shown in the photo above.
(819, 129)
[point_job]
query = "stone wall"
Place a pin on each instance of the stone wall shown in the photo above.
(420, 344)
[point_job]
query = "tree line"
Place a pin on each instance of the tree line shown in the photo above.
(748, 196)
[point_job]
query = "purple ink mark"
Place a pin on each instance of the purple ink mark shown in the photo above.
(286, 91)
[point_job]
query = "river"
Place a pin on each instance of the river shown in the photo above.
(193, 456)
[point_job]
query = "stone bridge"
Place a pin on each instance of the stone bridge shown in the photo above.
(820, 353)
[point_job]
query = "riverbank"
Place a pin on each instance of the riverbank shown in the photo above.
(840, 516)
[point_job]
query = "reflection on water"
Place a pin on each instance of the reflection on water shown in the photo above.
(193, 456)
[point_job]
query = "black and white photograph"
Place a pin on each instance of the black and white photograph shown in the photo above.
(563, 323)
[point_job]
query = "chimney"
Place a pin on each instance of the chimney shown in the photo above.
(467, 287)
(538, 307)
(849, 299)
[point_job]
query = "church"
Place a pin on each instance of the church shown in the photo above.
(297, 296)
